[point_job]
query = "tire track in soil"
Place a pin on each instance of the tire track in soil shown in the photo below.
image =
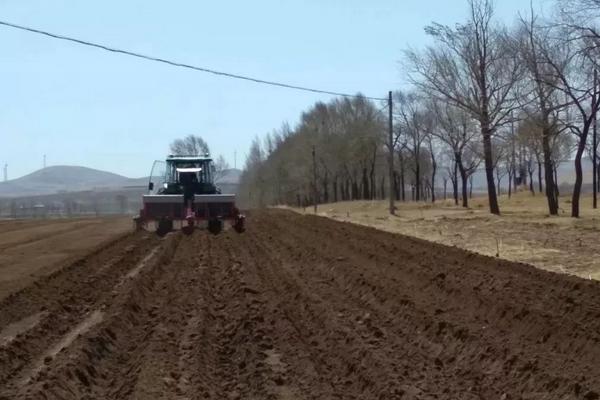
(333, 339)
(16, 226)
(78, 275)
(355, 308)
(356, 313)
(246, 335)
(75, 227)
(307, 308)
(457, 317)
(62, 300)
(307, 377)
(151, 343)
(75, 369)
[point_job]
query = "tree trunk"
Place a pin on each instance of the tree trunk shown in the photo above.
(463, 178)
(594, 163)
(489, 163)
(498, 180)
(433, 171)
(471, 186)
(417, 180)
(455, 183)
(365, 185)
(598, 176)
(372, 175)
(355, 192)
(445, 186)
(540, 176)
(402, 185)
(335, 188)
(556, 182)
(578, 173)
(551, 192)
(510, 177)
(396, 186)
(530, 171)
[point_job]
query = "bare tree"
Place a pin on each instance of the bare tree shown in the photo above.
(473, 66)
(537, 46)
(579, 81)
(190, 145)
(221, 167)
(348, 137)
(452, 172)
(579, 17)
(252, 182)
(576, 78)
(454, 127)
(500, 150)
(432, 147)
(402, 151)
(510, 158)
(415, 125)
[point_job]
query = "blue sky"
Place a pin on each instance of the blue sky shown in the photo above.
(83, 106)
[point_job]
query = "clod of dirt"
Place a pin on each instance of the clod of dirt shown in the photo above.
(591, 395)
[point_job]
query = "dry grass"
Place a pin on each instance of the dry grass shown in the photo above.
(524, 232)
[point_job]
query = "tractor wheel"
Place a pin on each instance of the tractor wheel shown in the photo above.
(164, 226)
(138, 223)
(215, 226)
(239, 224)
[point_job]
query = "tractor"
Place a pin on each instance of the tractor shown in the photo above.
(182, 189)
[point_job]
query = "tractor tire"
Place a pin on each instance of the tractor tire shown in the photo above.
(215, 226)
(239, 225)
(164, 226)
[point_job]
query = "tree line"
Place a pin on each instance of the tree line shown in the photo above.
(515, 102)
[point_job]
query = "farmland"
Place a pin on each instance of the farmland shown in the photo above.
(524, 233)
(296, 307)
(30, 249)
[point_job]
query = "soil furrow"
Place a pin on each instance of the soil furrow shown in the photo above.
(299, 307)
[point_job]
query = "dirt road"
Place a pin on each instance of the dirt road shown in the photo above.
(299, 308)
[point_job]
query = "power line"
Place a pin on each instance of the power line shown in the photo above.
(181, 65)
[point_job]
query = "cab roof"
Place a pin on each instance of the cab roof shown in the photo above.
(189, 158)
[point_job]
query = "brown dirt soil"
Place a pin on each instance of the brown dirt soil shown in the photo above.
(523, 233)
(30, 249)
(299, 307)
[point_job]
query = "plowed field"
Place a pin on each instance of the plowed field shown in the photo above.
(298, 307)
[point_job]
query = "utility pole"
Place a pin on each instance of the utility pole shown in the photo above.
(235, 159)
(392, 184)
(595, 144)
(5, 172)
(513, 160)
(314, 160)
(44, 161)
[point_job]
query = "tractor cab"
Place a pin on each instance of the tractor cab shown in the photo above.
(188, 175)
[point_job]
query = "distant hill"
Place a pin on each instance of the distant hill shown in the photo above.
(62, 178)
(66, 178)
